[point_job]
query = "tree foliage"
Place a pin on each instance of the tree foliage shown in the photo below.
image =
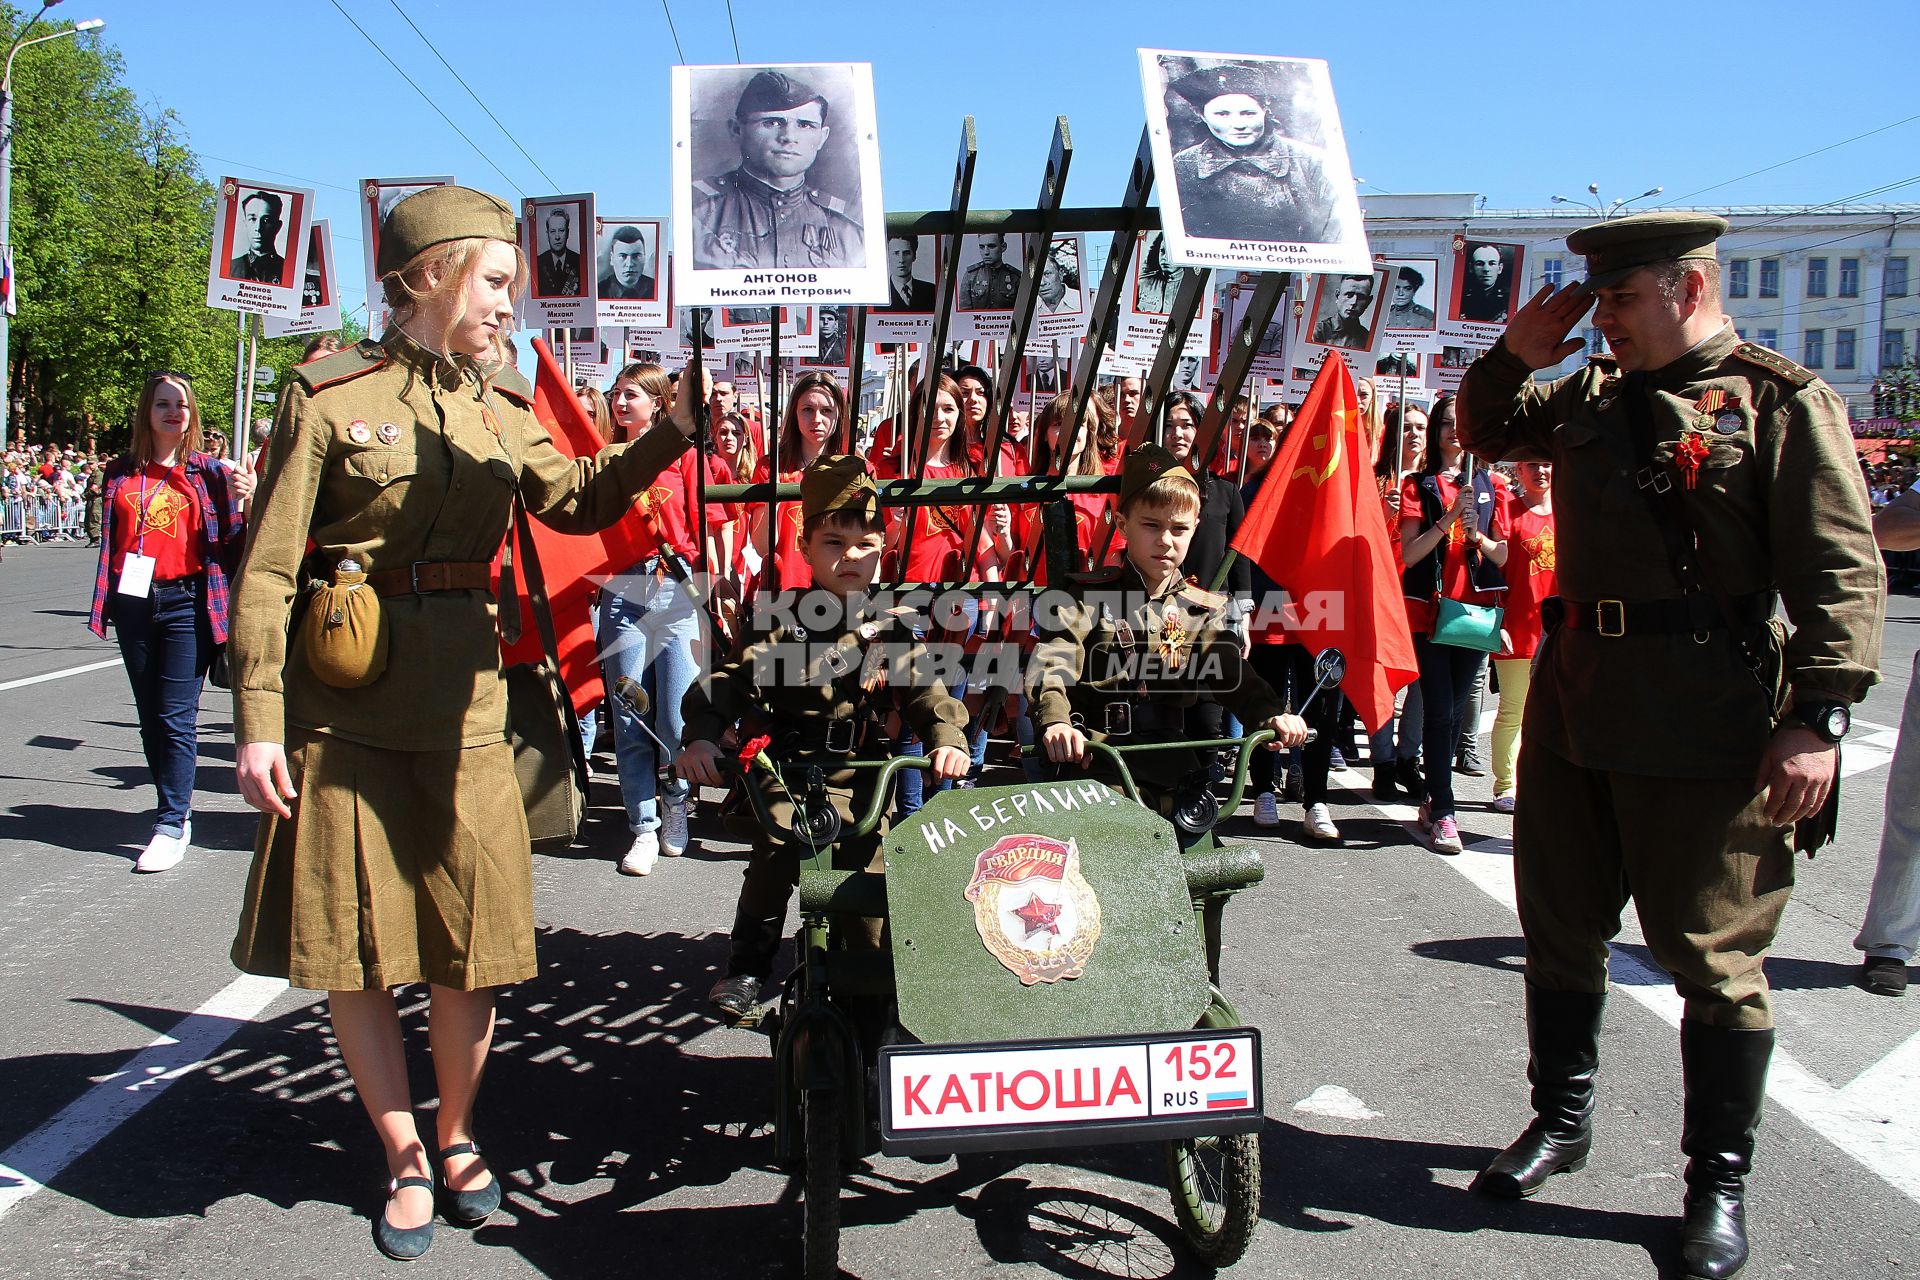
(111, 229)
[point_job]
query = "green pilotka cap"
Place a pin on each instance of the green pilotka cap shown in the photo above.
(1615, 249)
(838, 482)
(437, 215)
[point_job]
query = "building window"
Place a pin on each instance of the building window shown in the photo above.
(1893, 348)
(1596, 342)
(1769, 277)
(1843, 340)
(1768, 338)
(1551, 271)
(1849, 277)
(1816, 277)
(1814, 354)
(1896, 278)
(1737, 278)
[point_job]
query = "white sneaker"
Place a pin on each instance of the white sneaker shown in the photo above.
(1266, 810)
(1503, 803)
(164, 852)
(673, 827)
(1319, 823)
(639, 860)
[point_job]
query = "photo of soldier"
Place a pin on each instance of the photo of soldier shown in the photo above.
(1154, 278)
(629, 263)
(989, 282)
(313, 283)
(259, 233)
(836, 326)
(1347, 310)
(1485, 276)
(1405, 306)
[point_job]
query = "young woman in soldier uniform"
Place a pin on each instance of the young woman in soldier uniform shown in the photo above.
(393, 847)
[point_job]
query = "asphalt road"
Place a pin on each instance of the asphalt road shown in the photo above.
(631, 1130)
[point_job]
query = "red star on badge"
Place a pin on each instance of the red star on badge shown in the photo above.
(1039, 916)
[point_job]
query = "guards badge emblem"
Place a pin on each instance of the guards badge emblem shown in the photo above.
(1035, 911)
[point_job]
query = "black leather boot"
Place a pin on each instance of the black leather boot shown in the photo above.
(756, 941)
(1726, 1080)
(1563, 1034)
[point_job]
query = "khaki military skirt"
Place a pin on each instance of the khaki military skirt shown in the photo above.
(396, 867)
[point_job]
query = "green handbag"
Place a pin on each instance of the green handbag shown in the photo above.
(1468, 626)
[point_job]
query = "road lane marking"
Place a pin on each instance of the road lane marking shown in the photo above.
(59, 675)
(37, 1159)
(1872, 1118)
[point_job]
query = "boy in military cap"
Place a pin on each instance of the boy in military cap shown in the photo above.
(1123, 657)
(765, 214)
(1676, 732)
(822, 688)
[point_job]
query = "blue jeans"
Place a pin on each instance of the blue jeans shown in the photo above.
(167, 645)
(1448, 674)
(649, 632)
(1410, 716)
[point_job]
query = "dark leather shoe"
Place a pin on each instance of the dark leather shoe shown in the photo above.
(1884, 975)
(1536, 1155)
(1384, 786)
(1713, 1236)
(1563, 1035)
(467, 1208)
(402, 1244)
(735, 995)
(1724, 1071)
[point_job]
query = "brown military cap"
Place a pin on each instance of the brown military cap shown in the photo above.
(1202, 87)
(1145, 464)
(1617, 248)
(838, 482)
(774, 91)
(437, 215)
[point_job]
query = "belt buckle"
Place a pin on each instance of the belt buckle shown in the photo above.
(413, 571)
(1119, 719)
(1619, 625)
(840, 743)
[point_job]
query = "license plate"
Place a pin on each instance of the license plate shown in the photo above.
(992, 1097)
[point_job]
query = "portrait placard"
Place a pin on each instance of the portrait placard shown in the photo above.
(751, 329)
(1270, 357)
(555, 234)
(1251, 163)
(1147, 302)
(259, 248)
(834, 340)
(1061, 304)
(990, 275)
(629, 288)
(1305, 357)
(1485, 279)
(913, 275)
(319, 289)
(1349, 311)
(1414, 289)
(1445, 371)
(776, 185)
(377, 198)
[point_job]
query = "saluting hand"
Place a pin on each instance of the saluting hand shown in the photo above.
(1537, 333)
(1796, 774)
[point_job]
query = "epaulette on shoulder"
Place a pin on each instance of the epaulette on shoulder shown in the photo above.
(1193, 593)
(709, 186)
(832, 204)
(513, 384)
(342, 366)
(1775, 363)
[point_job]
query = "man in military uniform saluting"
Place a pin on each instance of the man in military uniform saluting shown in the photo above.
(1675, 732)
(990, 284)
(763, 214)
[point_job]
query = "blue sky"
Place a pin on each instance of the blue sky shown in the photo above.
(1516, 101)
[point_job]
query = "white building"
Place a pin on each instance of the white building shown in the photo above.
(1830, 286)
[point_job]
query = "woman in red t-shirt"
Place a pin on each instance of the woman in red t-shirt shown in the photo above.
(1531, 578)
(171, 538)
(1450, 533)
(815, 409)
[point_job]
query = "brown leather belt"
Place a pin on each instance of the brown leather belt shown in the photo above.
(423, 576)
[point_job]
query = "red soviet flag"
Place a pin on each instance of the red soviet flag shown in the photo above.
(572, 565)
(1318, 530)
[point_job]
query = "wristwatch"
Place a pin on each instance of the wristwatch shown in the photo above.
(1828, 720)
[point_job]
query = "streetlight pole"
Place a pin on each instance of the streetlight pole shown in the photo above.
(20, 42)
(1601, 209)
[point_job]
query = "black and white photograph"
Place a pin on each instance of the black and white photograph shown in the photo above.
(776, 185)
(1399, 364)
(1155, 280)
(751, 329)
(1061, 301)
(629, 288)
(1251, 163)
(1349, 310)
(913, 274)
(990, 271)
(319, 290)
(259, 248)
(1269, 357)
(1413, 294)
(377, 198)
(691, 319)
(557, 235)
(1486, 276)
(835, 326)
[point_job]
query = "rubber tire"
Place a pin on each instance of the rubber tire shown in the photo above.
(1218, 1233)
(820, 1195)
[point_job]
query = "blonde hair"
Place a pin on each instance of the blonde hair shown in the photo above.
(454, 263)
(1095, 424)
(193, 442)
(1177, 495)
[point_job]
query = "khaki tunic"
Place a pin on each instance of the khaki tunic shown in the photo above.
(386, 455)
(1085, 662)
